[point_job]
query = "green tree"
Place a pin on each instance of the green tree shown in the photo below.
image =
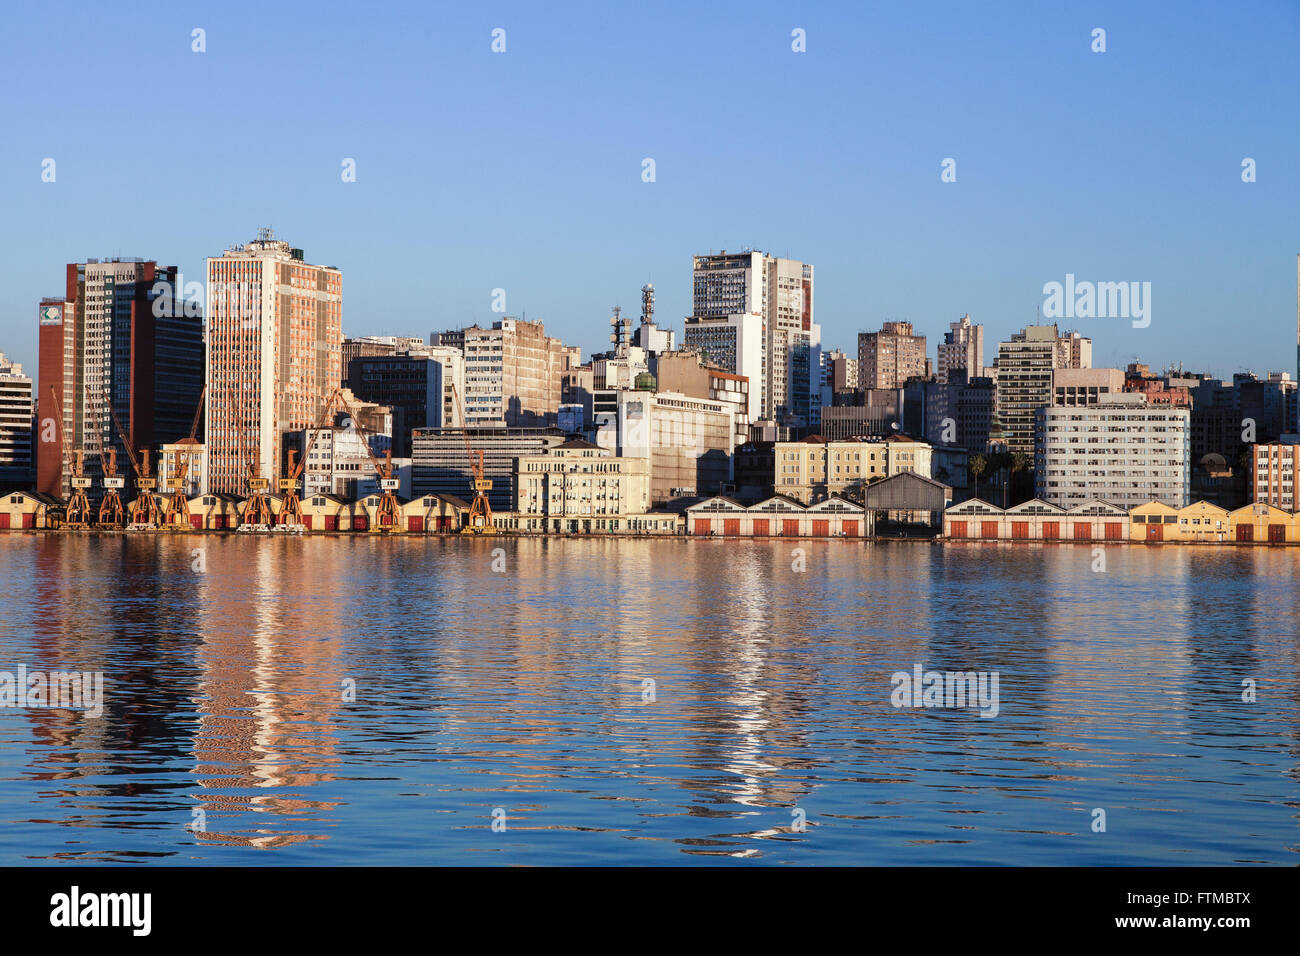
(977, 465)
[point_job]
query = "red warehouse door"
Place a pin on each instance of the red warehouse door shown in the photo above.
(1020, 529)
(988, 529)
(1245, 532)
(1114, 530)
(1276, 533)
(4, 521)
(851, 528)
(306, 522)
(331, 522)
(790, 527)
(1051, 529)
(1155, 532)
(361, 523)
(760, 526)
(958, 529)
(29, 520)
(731, 526)
(1083, 531)
(821, 529)
(196, 522)
(415, 523)
(701, 525)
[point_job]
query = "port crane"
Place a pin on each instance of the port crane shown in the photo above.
(78, 513)
(388, 485)
(257, 509)
(480, 509)
(291, 507)
(178, 506)
(111, 513)
(145, 510)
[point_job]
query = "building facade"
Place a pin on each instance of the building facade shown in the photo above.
(514, 374)
(1273, 474)
(17, 408)
(888, 358)
(1024, 378)
(441, 465)
(423, 386)
(1123, 451)
(578, 479)
(962, 347)
(275, 338)
(119, 342)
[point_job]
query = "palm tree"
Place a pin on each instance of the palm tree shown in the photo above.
(977, 465)
(1019, 462)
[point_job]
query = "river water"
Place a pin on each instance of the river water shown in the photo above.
(354, 700)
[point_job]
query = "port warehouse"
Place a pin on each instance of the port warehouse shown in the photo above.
(971, 521)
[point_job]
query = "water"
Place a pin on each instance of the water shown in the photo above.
(526, 691)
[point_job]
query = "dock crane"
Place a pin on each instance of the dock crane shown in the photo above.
(78, 513)
(480, 509)
(291, 507)
(111, 513)
(146, 510)
(178, 507)
(388, 485)
(257, 509)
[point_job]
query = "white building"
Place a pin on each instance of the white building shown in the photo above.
(737, 344)
(579, 479)
(688, 441)
(1124, 451)
(780, 292)
(16, 463)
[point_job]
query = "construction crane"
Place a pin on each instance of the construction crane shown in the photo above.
(388, 485)
(291, 507)
(78, 513)
(178, 506)
(480, 509)
(145, 510)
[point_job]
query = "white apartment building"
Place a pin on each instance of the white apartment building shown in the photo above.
(1273, 473)
(1124, 451)
(736, 343)
(513, 374)
(16, 409)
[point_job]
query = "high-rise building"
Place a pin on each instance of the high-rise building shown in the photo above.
(514, 373)
(120, 341)
(1123, 451)
(737, 344)
(962, 347)
(275, 339)
(842, 373)
(16, 410)
(780, 292)
(421, 386)
(888, 358)
(1024, 378)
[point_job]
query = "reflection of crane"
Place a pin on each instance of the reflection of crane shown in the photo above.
(78, 513)
(387, 483)
(480, 509)
(145, 510)
(291, 507)
(178, 508)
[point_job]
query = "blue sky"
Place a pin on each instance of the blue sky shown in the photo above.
(522, 170)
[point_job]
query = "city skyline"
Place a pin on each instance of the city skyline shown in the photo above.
(502, 168)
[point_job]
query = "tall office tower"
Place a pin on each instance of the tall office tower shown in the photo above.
(1024, 378)
(842, 372)
(780, 291)
(514, 373)
(16, 409)
(119, 336)
(962, 347)
(888, 358)
(420, 386)
(275, 341)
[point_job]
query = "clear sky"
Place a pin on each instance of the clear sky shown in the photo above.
(523, 170)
